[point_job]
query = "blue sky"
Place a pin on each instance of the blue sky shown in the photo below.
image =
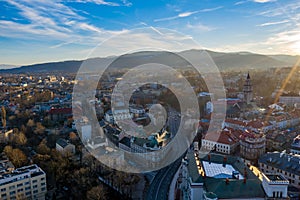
(34, 31)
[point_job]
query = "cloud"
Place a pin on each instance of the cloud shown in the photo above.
(199, 27)
(263, 1)
(105, 3)
(51, 20)
(273, 23)
(187, 14)
(240, 2)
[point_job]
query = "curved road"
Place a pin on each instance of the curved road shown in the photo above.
(159, 187)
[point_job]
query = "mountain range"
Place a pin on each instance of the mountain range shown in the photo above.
(225, 61)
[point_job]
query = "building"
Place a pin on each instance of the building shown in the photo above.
(289, 100)
(226, 141)
(116, 115)
(217, 176)
(285, 164)
(65, 147)
(60, 114)
(248, 96)
(275, 185)
(27, 182)
(295, 146)
(252, 145)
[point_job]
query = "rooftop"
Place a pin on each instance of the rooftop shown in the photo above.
(283, 161)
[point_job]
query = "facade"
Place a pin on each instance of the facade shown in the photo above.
(295, 146)
(275, 185)
(252, 145)
(289, 100)
(225, 141)
(59, 114)
(27, 182)
(64, 146)
(248, 96)
(285, 164)
(118, 114)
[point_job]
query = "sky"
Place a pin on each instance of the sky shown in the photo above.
(37, 31)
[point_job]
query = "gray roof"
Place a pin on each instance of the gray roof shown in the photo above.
(283, 161)
(62, 142)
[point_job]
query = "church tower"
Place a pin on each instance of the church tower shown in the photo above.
(248, 90)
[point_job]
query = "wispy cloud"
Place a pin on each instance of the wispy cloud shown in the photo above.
(52, 20)
(273, 23)
(199, 27)
(241, 2)
(105, 3)
(263, 1)
(187, 14)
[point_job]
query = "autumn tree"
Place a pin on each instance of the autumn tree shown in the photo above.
(43, 148)
(97, 193)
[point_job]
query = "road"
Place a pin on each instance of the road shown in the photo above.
(173, 121)
(159, 187)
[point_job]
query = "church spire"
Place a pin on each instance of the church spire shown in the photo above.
(248, 76)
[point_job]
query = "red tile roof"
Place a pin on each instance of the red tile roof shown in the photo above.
(60, 111)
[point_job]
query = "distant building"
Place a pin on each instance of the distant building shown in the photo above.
(59, 114)
(295, 146)
(252, 145)
(27, 182)
(225, 141)
(285, 164)
(289, 100)
(64, 146)
(275, 185)
(248, 95)
(117, 114)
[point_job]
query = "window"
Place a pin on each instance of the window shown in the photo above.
(3, 189)
(3, 195)
(42, 178)
(35, 191)
(12, 193)
(19, 185)
(27, 188)
(12, 187)
(35, 186)
(43, 183)
(26, 183)
(34, 181)
(20, 190)
(43, 189)
(28, 193)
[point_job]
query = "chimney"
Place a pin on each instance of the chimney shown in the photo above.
(224, 161)
(227, 181)
(245, 180)
(208, 157)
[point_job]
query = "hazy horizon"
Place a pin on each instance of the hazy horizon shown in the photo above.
(37, 32)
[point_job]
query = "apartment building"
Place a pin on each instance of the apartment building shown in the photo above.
(285, 164)
(28, 182)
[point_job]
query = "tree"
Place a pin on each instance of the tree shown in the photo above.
(8, 150)
(43, 148)
(20, 138)
(97, 193)
(40, 129)
(3, 116)
(30, 123)
(18, 158)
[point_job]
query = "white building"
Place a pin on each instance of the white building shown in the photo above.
(275, 185)
(117, 114)
(225, 141)
(285, 164)
(64, 146)
(27, 182)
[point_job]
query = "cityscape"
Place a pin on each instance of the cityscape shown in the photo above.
(112, 100)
